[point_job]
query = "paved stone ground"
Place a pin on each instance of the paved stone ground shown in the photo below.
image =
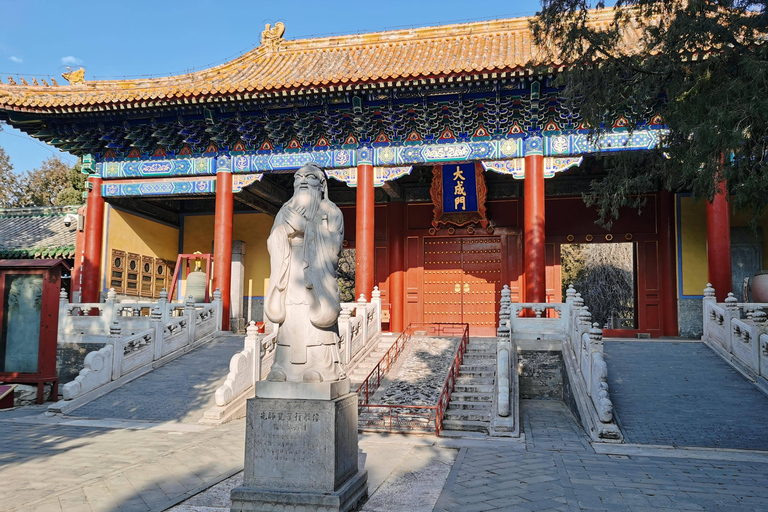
(419, 377)
(557, 470)
(683, 394)
(181, 391)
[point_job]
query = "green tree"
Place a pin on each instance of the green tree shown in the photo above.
(10, 191)
(54, 183)
(701, 64)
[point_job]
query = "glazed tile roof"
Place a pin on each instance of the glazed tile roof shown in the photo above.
(37, 233)
(298, 66)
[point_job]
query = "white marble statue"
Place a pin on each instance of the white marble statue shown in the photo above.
(303, 294)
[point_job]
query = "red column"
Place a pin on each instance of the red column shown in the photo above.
(533, 225)
(396, 223)
(719, 242)
(222, 242)
(94, 228)
(364, 232)
(668, 263)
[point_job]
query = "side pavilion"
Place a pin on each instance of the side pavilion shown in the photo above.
(456, 164)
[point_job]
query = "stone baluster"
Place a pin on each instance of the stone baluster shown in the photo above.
(345, 332)
(110, 310)
(190, 311)
(64, 310)
(253, 342)
(709, 293)
(360, 311)
(505, 312)
(115, 333)
(376, 299)
(162, 303)
(156, 319)
(570, 294)
(219, 308)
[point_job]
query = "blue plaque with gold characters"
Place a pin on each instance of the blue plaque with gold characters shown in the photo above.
(459, 188)
(458, 193)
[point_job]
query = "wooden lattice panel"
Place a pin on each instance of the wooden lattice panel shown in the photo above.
(161, 271)
(117, 271)
(132, 273)
(147, 276)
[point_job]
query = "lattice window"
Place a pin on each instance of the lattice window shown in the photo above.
(132, 274)
(117, 271)
(147, 276)
(161, 271)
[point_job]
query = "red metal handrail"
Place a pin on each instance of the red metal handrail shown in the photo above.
(407, 416)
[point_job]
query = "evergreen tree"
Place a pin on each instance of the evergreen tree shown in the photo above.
(10, 190)
(701, 64)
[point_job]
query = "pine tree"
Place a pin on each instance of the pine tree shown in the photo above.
(701, 64)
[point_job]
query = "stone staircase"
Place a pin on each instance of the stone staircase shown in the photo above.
(471, 401)
(360, 371)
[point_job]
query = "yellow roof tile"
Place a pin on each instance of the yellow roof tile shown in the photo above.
(429, 52)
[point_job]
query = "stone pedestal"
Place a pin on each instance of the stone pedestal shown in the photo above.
(301, 454)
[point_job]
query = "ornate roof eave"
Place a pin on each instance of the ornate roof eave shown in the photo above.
(282, 68)
(442, 80)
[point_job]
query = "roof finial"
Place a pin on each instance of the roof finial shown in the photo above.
(75, 77)
(272, 37)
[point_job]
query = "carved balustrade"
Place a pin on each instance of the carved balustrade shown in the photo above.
(738, 332)
(132, 342)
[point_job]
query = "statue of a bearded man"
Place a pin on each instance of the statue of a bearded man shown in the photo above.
(303, 294)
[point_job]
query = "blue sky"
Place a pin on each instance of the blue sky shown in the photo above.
(136, 38)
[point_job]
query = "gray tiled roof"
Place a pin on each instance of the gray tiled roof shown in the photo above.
(37, 232)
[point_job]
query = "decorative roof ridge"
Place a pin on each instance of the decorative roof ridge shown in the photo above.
(393, 37)
(38, 211)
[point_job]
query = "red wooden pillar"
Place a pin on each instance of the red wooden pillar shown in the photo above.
(668, 264)
(396, 235)
(533, 225)
(77, 269)
(719, 242)
(364, 232)
(222, 242)
(94, 229)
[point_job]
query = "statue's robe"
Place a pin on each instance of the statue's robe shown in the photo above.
(303, 292)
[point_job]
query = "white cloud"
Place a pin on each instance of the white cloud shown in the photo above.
(17, 60)
(71, 61)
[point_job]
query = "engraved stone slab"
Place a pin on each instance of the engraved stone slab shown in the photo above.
(301, 453)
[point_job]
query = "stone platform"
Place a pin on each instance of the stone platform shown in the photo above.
(301, 454)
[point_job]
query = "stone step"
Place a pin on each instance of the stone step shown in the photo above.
(473, 366)
(471, 396)
(474, 379)
(488, 373)
(463, 405)
(467, 415)
(473, 388)
(466, 426)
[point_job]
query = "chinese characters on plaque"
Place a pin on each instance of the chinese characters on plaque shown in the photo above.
(458, 193)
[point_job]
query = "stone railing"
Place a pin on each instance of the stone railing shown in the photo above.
(358, 331)
(356, 335)
(738, 332)
(582, 346)
(133, 344)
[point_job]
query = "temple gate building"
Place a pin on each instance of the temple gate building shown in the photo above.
(456, 165)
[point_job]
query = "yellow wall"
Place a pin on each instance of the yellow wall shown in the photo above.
(693, 246)
(130, 233)
(693, 243)
(251, 228)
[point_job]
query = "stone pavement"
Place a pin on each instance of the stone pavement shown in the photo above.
(558, 470)
(181, 390)
(65, 464)
(683, 394)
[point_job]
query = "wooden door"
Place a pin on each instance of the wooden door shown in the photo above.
(462, 282)
(481, 287)
(442, 280)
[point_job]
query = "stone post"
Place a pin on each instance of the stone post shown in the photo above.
(190, 311)
(376, 299)
(345, 333)
(63, 308)
(360, 311)
(156, 319)
(504, 312)
(117, 349)
(109, 310)
(162, 303)
(237, 290)
(253, 342)
(219, 309)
